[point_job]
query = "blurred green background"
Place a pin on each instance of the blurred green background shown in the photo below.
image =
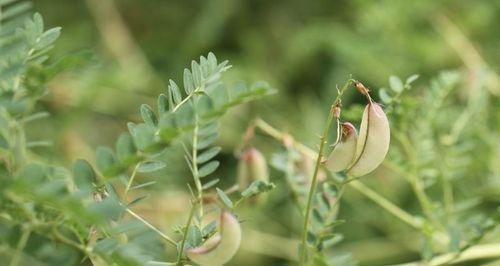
(302, 48)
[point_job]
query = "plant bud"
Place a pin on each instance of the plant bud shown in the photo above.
(219, 249)
(342, 155)
(373, 141)
(252, 167)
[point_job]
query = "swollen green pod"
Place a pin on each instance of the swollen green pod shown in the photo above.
(343, 154)
(219, 249)
(373, 141)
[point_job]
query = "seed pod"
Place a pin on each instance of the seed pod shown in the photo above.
(252, 167)
(219, 249)
(373, 141)
(342, 155)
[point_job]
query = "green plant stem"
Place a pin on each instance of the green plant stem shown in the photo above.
(20, 246)
(486, 251)
(314, 181)
(387, 205)
(138, 217)
(131, 180)
(185, 233)
(194, 157)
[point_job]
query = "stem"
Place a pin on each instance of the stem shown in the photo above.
(20, 246)
(194, 156)
(136, 216)
(184, 101)
(477, 252)
(185, 234)
(131, 180)
(387, 205)
(319, 157)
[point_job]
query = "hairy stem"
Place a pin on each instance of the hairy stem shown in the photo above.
(314, 181)
(185, 234)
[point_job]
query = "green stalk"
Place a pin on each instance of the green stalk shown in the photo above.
(185, 234)
(314, 182)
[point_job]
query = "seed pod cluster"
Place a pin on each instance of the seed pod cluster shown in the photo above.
(360, 155)
(219, 249)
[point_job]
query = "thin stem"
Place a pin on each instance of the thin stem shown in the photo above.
(387, 205)
(136, 216)
(183, 101)
(194, 157)
(185, 233)
(314, 181)
(131, 180)
(20, 246)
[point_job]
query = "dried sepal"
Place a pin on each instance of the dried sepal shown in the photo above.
(219, 249)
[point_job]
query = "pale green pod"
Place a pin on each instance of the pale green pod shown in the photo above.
(219, 249)
(373, 141)
(252, 166)
(342, 155)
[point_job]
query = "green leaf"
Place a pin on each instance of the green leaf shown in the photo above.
(411, 79)
(208, 168)
(125, 148)
(257, 187)
(150, 166)
(317, 216)
(174, 92)
(396, 84)
(188, 81)
(209, 229)
(105, 159)
(47, 38)
(208, 155)
(195, 68)
(162, 104)
(84, 175)
(210, 184)
(194, 237)
(148, 116)
(224, 198)
(384, 96)
(207, 141)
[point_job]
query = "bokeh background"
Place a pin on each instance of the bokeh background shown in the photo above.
(128, 50)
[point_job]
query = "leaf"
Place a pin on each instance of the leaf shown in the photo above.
(174, 92)
(194, 237)
(125, 147)
(195, 68)
(188, 81)
(208, 155)
(207, 141)
(105, 159)
(396, 84)
(224, 198)
(257, 187)
(150, 166)
(317, 216)
(208, 168)
(148, 116)
(136, 200)
(384, 96)
(210, 184)
(47, 38)
(162, 104)
(84, 175)
(411, 79)
(147, 184)
(209, 229)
